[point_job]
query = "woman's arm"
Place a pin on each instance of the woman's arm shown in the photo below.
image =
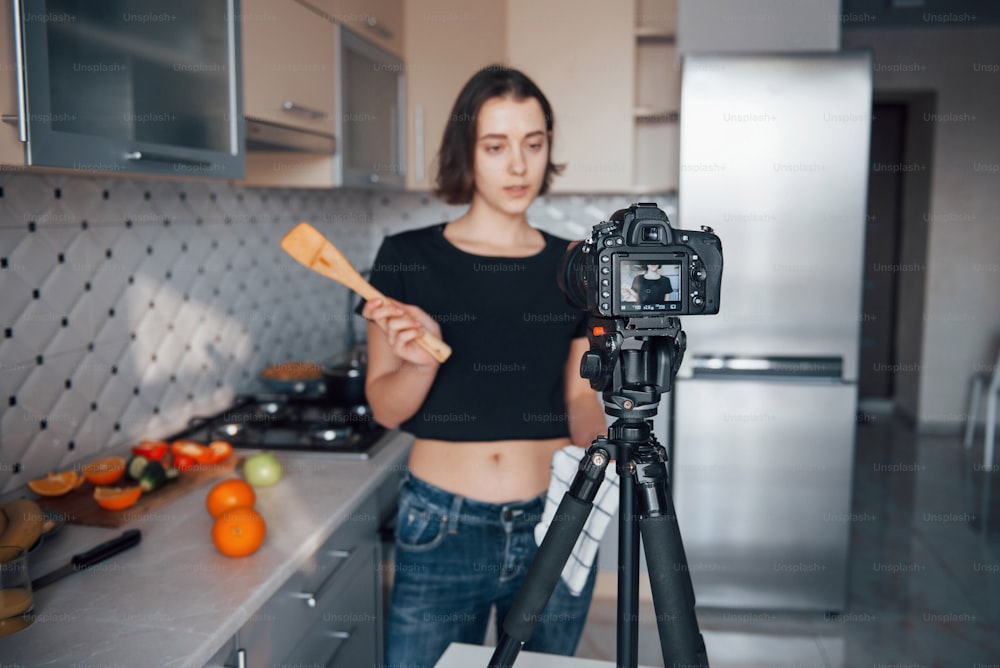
(583, 405)
(400, 372)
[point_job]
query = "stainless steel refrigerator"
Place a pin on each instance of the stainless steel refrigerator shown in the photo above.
(774, 156)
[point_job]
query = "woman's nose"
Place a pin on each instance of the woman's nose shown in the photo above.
(517, 163)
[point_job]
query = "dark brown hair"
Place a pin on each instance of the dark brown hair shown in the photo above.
(456, 178)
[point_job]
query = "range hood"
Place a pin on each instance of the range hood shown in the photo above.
(267, 136)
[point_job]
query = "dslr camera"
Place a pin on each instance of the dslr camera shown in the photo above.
(636, 265)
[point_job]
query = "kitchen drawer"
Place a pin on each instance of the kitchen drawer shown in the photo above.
(346, 634)
(274, 630)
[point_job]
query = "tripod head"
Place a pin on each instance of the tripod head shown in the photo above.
(632, 361)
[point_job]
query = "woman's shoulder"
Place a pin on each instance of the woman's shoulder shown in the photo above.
(419, 235)
(555, 244)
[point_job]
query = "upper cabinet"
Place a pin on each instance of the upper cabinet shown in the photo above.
(581, 54)
(379, 21)
(289, 64)
(657, 97)
(608, 69)
(447, 41)
(124, 86)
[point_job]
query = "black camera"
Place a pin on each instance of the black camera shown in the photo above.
(635, 264)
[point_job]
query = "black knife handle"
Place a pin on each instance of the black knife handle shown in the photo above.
(105, 550)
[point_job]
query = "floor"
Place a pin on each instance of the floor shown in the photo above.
(924, 587)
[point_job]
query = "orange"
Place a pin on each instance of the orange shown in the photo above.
(117, 498)
(55, 484)
(231, 493)
(105, 471)
(238, 532)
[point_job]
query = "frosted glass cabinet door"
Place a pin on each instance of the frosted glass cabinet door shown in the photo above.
(134, 85)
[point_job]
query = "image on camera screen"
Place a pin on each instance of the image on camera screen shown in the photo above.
(650, 287)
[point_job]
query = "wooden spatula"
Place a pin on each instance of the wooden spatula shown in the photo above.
(308, 245)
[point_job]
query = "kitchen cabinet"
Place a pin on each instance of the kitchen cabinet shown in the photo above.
(372, 127)
(379, 21)
(289, 61)
(657, 97)
(581, 53)
(447, 41)
(608, 70)
(124, 91)
(329, 612)
(289, 92)
(11, 147)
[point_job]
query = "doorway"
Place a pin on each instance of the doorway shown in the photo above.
(895, 251)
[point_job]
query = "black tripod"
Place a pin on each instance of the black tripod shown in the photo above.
(631, 362)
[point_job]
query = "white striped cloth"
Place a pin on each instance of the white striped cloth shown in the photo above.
(565, 463)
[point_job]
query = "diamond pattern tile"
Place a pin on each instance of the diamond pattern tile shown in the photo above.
(147, 302)
(33, 259)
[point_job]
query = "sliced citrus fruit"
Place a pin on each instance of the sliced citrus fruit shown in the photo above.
(55, 484)
(117, 498)
(105, 471)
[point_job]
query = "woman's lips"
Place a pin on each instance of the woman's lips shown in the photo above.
(516, 191)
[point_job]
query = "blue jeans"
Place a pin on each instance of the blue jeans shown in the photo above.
(456, 558)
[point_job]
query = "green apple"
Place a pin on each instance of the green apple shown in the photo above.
(262, 469)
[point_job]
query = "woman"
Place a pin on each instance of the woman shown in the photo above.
(650, 287)
(487, 421)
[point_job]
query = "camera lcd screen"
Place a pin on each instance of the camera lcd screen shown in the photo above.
(645, 286)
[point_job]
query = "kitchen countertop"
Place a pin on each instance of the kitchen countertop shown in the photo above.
(174, 600)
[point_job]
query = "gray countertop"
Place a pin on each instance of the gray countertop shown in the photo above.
(174, 600)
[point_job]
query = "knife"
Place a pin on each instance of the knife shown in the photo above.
(87, 559)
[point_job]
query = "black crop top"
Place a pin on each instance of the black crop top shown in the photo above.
(508, 324)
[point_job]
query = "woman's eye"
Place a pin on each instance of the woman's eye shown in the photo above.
(536, 147)
(494, 148)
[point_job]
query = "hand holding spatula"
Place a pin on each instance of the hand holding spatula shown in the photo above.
(308, 245)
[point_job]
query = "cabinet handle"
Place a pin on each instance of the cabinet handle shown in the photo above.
(310, 597)
(308, 112)
(372, 24)
(241, 658)
(162, 157)
(22, 110)
(343, 636)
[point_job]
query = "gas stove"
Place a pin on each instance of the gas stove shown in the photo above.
(291, 423)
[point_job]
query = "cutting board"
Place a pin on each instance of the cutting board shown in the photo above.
(79, 506)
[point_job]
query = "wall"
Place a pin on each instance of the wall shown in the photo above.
(129, 306)
(959, 322)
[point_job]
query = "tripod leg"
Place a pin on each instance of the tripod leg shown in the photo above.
(552, 555)
(628, 572)
(670, 581)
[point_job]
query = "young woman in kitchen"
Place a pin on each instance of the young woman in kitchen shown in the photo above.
(487, 421)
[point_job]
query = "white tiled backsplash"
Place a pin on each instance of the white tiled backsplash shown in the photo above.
(128, 307)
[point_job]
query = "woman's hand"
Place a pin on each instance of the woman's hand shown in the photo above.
(402, 325)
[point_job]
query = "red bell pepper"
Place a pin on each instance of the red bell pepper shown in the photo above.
(151, 450)
(215, 452)
(186, 453)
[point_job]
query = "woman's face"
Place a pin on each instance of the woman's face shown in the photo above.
(511, 154)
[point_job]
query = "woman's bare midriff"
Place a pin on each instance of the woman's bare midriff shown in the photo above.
(491, 471)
